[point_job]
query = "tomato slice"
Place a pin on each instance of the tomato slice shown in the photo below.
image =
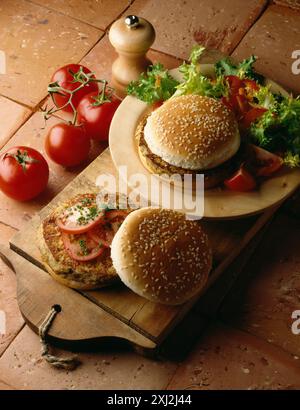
(242, 104)
(105, 232)
(226, 101)
(80, 217)
(241, 181)
(234, 83)
(252, 115)
(157, 104)
(102, 234)
(266, 163)
(81, 247)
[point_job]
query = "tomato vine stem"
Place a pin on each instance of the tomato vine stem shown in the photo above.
(84, 79)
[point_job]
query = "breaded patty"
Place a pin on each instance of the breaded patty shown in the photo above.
(90, 274)
(212, 177)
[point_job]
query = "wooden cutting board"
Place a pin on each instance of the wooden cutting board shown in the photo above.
(113, 311)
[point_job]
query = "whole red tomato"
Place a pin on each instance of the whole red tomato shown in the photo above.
(97, 118)
(63, 76)
(24, 173)
(67, 144)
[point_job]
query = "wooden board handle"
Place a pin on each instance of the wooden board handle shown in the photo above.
(37, 292)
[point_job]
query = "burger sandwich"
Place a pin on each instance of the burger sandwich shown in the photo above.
(190, 134)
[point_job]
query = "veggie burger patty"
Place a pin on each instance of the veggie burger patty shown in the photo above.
(64, 265)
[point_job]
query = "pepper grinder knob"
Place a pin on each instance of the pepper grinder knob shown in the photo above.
(131, 37)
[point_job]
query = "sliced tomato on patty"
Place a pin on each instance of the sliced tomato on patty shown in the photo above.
(80, 217)
(241, 181)
(105, 232)
(101, 234)
(82, 247)
(116, 218)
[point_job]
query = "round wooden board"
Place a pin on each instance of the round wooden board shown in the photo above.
(218, 203)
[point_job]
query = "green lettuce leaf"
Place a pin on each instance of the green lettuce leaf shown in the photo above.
(279, 129)
(196, 83)
(263, 97)
(154, 85)
(243, 70)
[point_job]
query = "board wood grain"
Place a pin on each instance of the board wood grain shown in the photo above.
(79, 320)
(153, 322)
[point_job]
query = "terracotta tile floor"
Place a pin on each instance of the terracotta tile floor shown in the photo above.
(37, 41)
(98, 13)
(271, 282)
(12, 116)
(213, 23)
(273, 39)
(256, 348)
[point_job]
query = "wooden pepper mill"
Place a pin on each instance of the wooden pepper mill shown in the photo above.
(131, 37)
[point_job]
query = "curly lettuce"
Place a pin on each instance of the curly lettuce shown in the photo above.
(154, 85)
(194, 82)
(242, 70)
(279, 129)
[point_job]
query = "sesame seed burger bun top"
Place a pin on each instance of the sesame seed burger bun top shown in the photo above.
(161, 255)
(192, 132)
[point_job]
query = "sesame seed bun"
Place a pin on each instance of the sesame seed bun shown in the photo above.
(161, 255)
(192, 132)
(156, 165)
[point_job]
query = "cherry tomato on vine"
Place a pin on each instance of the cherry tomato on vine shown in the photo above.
(64, 76)
(24, 173)
(96, 116)
(67, 144)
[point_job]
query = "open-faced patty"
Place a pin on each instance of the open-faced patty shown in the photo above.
(90, 274)
(212, 177)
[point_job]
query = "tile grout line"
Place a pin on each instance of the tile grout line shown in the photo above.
(12, 340)
(63, 14)
(173, 375)
(119, 16)
(104, 29)
(264, 8)
(6, 142)
(9, 226)
(17, 102)
(8, 385)
(228, 326)
(36, 107)
(265, 341)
